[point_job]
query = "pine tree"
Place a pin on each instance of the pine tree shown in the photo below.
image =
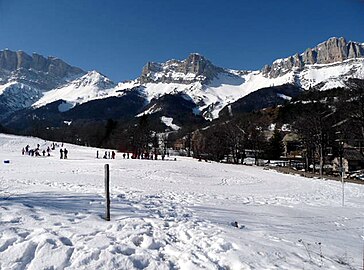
(275, 146)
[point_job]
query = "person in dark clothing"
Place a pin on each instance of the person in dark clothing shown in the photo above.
(61, 152)
(43, 152)
(113, 154)
(65, 153)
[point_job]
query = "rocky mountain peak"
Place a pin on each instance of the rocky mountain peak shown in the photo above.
(194, 68)
(35, 70)
(331, 51)
(11, 61)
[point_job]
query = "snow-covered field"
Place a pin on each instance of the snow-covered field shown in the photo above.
(170, 215)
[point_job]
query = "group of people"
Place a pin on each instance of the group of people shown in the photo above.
(111, 155)
(146, 155)
(63, 153)
(107, 155)
(36, 152)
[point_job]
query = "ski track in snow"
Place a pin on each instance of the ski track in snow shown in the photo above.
(170, 215)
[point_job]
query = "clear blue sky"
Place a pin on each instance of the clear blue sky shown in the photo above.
(117, 37)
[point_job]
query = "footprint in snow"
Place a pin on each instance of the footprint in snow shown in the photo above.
(66, 241)
(7, 244)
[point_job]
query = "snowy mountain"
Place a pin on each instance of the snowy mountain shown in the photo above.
(24, 78)
(36, 71)
(334, 50)
(195, 68)
(326, 66)
(15, 96)
(30, 82)
(88, 87)
(260, 99)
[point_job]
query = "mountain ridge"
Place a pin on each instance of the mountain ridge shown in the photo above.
(331, 51)
(37, 81)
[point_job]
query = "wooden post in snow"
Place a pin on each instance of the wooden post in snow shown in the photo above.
(107, 192)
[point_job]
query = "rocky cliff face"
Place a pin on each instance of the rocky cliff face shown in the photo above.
(24, 78)
(332, 51)
(194, 68)
(35, 70)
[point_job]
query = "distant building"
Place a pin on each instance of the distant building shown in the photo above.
(292, 146)
(352, 160)
(180, 144)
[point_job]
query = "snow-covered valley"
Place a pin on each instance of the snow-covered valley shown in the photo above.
(170, 215)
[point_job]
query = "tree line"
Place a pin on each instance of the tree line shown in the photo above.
(322, 120)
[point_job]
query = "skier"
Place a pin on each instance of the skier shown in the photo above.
(97, 154)
(65, 153)
(124, 155)
(23, 151)
(113, 155)
(61, 152)
(43, 152)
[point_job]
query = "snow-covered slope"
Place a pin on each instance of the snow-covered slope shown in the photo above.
(169, 214)
(331, 75)
(91, 86)
(16, 96)
(222, 90)
(168, 121)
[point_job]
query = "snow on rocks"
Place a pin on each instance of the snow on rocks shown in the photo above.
(170, 215)
(168, 121)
